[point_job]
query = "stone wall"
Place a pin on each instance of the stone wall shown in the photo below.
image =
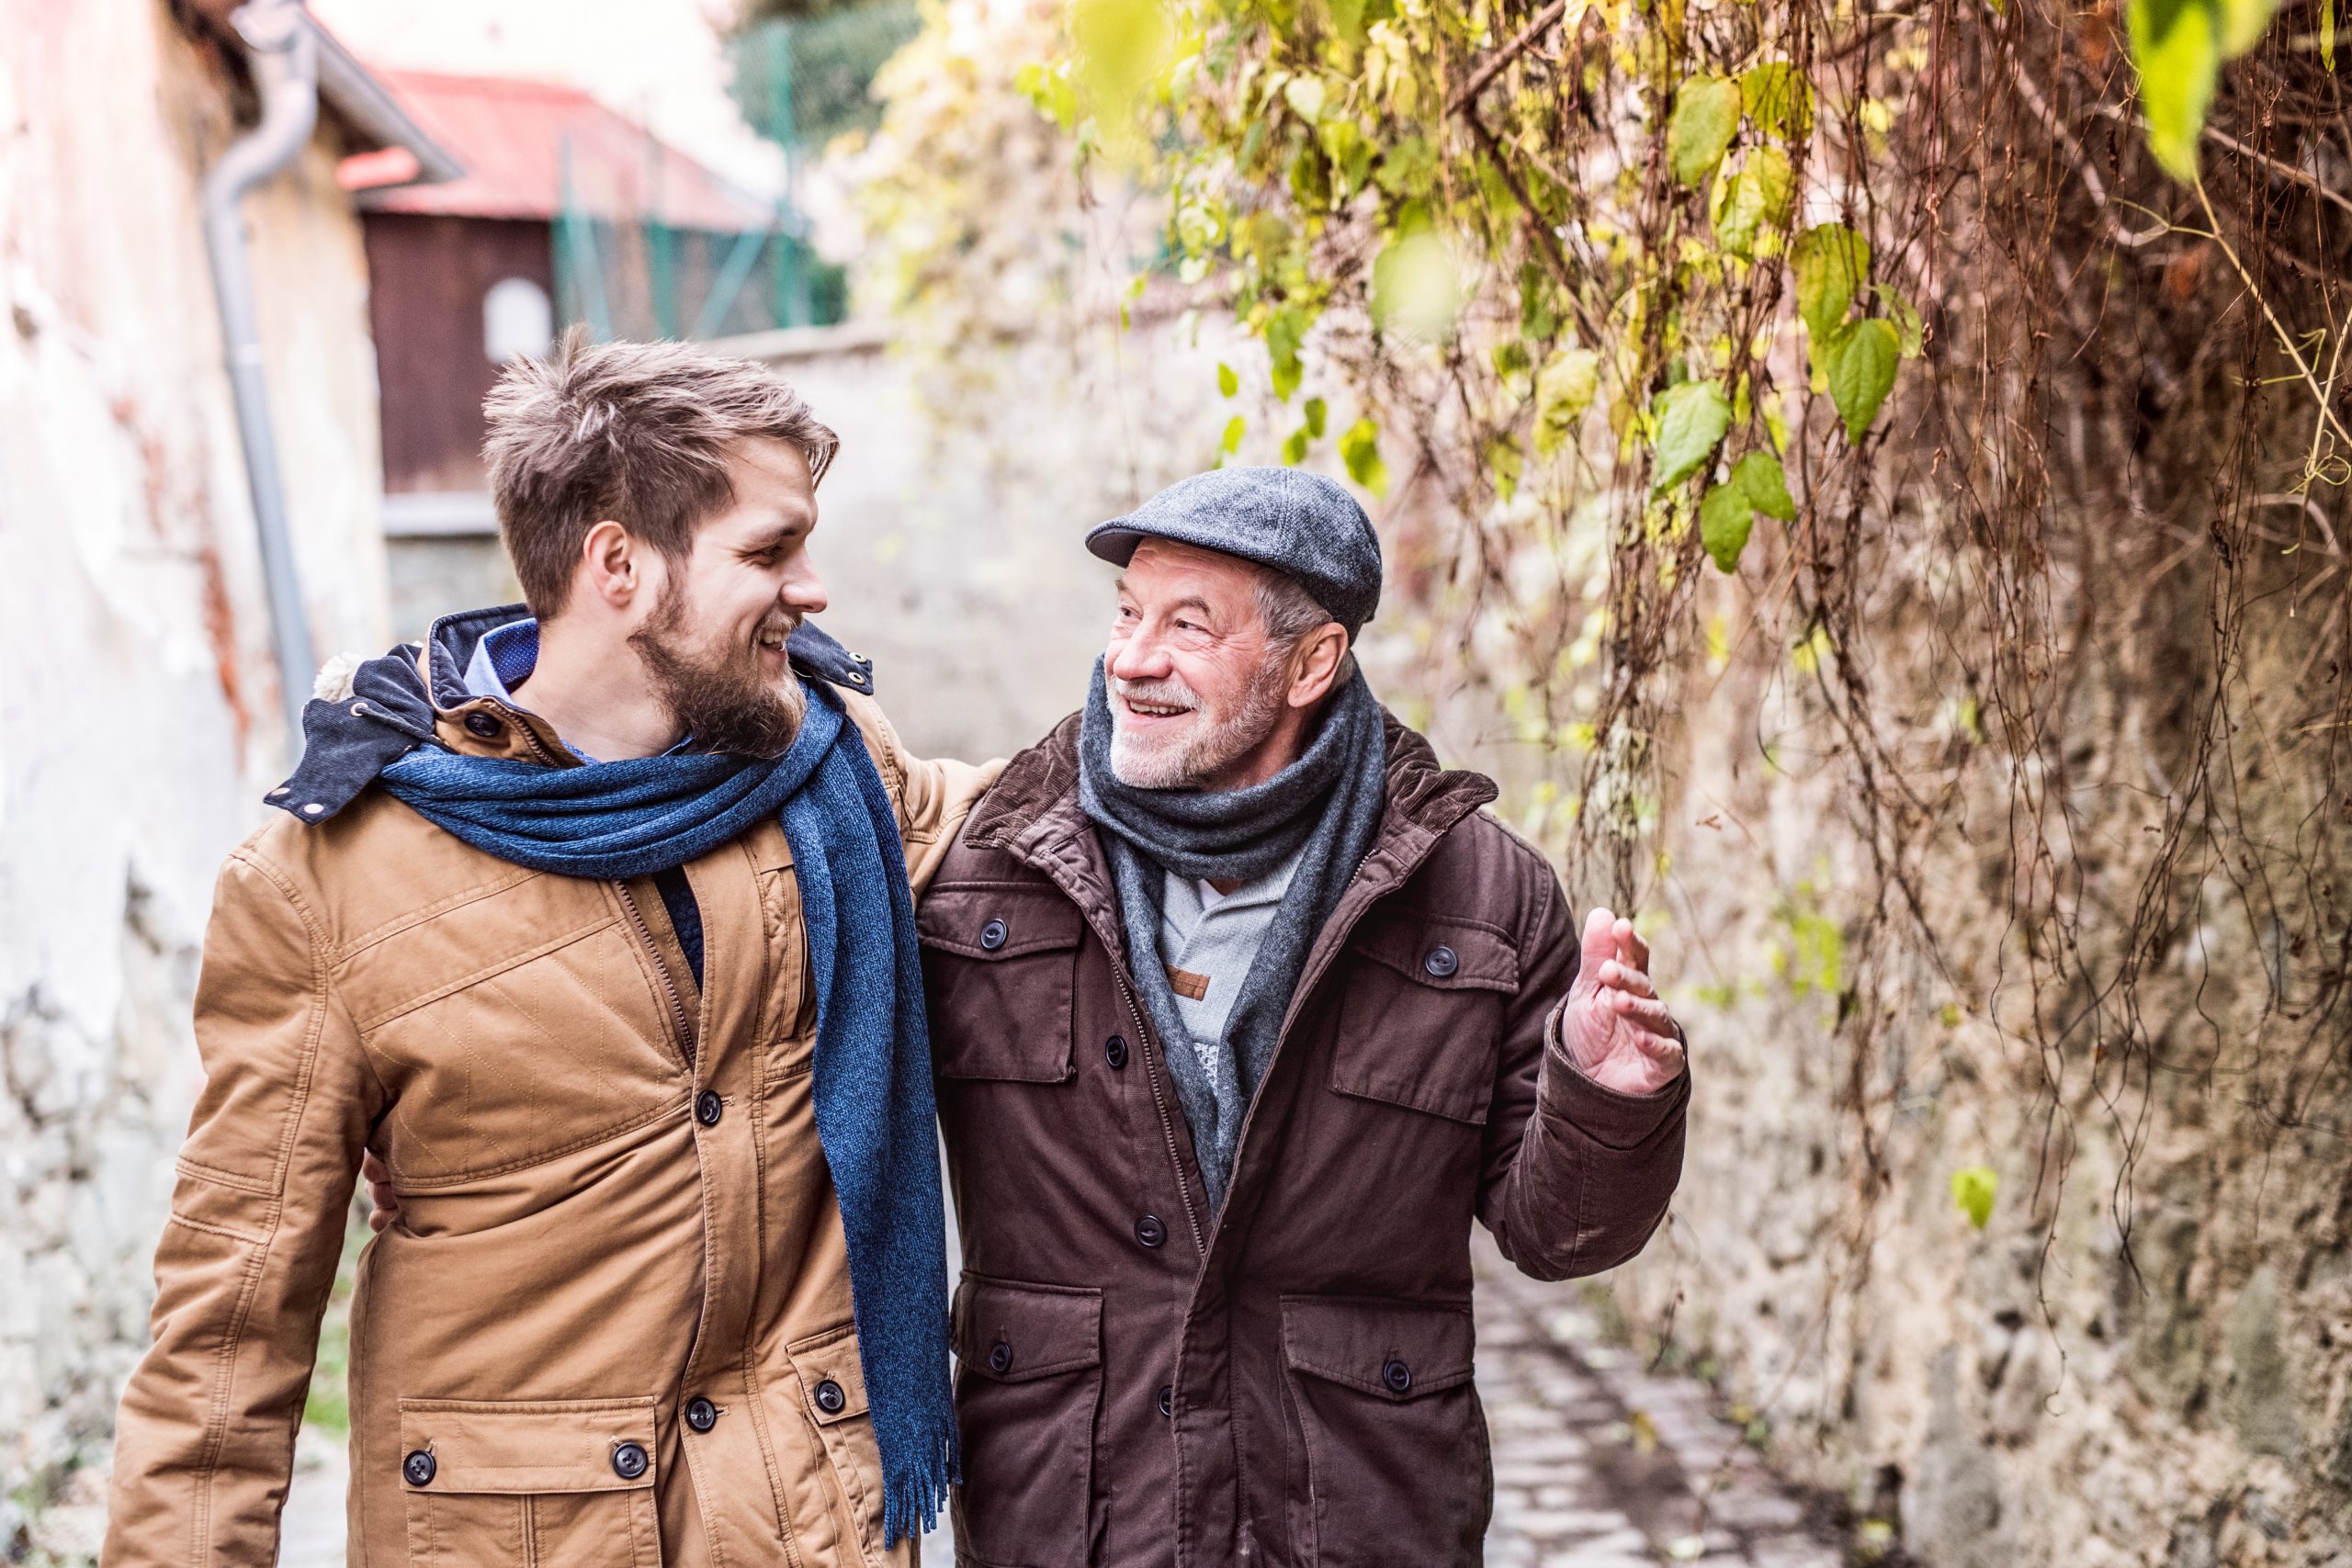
(2142, 1356)
(139, 716)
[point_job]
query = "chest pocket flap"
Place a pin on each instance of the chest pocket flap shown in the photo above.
(1000, 962)
(1422, 1023)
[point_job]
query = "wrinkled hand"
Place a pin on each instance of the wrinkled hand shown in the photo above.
(1613, 1025)
(384, 1205)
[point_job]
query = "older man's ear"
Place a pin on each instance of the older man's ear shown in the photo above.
(1317, 663)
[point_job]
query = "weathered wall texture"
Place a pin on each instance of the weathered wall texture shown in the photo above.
(138, 715)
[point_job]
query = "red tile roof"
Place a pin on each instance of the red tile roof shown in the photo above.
(510, 135)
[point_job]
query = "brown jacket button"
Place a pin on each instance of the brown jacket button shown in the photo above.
(484, 724)
(829, 1397)
(1166, 1399)
(1441, 961)
(701, 1414)
(419, 1469)
(709, 1108)
(1397, 1376)
(629, 1462)
(1000, 1357)
(1115, 1051)
(1150, 1230)
(992, 935)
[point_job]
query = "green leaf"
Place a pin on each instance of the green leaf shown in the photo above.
(2243, 22)
(1294, 447)
(1909, 329)
(1234, 429)
(2176, 47)
(1862, 372)
(2327, 34)
(1415, 287)
(1706, 113)
(1504, 464)
(1778, 99)
(1831, 261)
(1972, 1189)
(1759, 477)
(1758, 200)
(1360, 451)
(1691, 419)
(1226, 382)
(1284, 332)
(1305, 97)
(1725, 519)
(1563, 392)
(1317, 411)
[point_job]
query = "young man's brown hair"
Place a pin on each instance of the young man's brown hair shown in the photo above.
(636, 432)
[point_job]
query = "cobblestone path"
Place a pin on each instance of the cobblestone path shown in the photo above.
(1597, 1463)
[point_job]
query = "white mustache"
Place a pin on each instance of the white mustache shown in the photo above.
(1170, 693)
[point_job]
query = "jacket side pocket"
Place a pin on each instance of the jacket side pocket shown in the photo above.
(1028, 1381)
(530, 1484)
(1395, 1440)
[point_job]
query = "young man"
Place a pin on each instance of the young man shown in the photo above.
(1243, 1011)
(592, 923)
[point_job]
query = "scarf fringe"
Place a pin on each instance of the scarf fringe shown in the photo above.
(921, 1490)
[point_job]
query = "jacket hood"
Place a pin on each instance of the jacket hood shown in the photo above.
(395, 702)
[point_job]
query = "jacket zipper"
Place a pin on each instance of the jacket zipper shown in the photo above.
(669, 985)
(1159, 1099)
(644, 932)
(1308, 980)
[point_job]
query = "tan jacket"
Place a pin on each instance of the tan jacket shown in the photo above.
(589, 1241)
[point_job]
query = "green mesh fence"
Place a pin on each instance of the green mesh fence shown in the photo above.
(627, 273)
(803, 81)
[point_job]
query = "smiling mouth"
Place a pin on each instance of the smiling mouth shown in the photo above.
(1143, 709)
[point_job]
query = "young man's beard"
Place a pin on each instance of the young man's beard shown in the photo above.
(723, 699)
(1213, 745)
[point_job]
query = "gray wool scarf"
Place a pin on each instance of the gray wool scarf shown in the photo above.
(1325, 806)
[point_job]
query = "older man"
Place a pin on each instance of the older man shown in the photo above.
(1243, 1009)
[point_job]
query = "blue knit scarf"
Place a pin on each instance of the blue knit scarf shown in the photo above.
(872, 1078)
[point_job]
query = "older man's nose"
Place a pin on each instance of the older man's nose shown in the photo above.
(1138, 657)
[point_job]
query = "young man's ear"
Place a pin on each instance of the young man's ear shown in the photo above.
(611, 566)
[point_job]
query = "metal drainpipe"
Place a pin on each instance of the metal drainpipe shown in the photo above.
(284, 57)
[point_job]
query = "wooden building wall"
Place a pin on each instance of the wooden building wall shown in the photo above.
(429, 275)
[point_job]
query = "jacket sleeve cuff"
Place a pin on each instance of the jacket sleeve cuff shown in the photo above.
(1609, 1117)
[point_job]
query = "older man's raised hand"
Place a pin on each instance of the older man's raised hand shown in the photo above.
(1613, 1025)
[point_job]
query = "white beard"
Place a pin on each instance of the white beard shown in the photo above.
(1189, 760)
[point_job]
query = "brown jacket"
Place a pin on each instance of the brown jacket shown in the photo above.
(1287, 1382)
(613, 1203)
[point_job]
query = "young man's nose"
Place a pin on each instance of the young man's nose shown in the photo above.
(804, 592)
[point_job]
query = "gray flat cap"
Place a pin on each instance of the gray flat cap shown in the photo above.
(1297, 523)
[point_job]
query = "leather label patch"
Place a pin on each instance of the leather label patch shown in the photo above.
(1186, 984)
